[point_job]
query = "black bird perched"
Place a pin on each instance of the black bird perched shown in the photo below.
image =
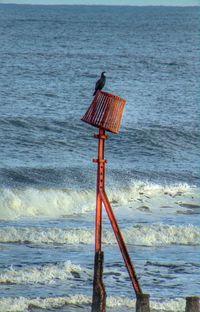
(100, 83)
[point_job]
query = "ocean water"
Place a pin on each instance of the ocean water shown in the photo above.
(50, 59)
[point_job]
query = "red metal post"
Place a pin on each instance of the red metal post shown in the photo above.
(105, 112)
(100, 186)
(102, 197)
(121, 243)
(99, 292)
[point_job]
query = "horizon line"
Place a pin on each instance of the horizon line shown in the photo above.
(119, 5)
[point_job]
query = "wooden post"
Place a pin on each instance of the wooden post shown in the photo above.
(142, 303)
(192, 304)
(99, 293)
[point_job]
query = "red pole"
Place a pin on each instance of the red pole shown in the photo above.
(121, 243)
(99, 293)
(102, 197)
(105, 112)
(100, 186)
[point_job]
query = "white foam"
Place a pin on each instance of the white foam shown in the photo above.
(22, 304)
(141, 234)
(42, 235)
(162, 234)
(47, 274)
(156, 198)
(52, 203)
(139, 188)
(173, 305)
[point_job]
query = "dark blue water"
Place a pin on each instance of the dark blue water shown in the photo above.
(50, 59)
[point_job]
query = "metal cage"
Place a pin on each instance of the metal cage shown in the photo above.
(105, 111)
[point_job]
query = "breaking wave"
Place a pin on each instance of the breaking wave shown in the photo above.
(23, 304)
(37, 203)
(144, 235)
(46, 274)
(31, 203)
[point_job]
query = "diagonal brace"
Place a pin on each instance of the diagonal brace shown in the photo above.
(121, 242)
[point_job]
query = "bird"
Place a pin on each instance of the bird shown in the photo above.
(100, 83)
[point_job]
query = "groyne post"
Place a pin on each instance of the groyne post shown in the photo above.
(142, 303)
(192, 304)
(99, 293)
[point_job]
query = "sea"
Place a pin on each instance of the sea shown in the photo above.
(50, 59)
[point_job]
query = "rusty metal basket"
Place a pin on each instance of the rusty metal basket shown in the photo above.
(105, 111)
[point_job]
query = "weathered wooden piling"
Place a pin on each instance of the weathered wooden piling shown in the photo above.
(142, 303)
(99, 293)
(192, 304)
